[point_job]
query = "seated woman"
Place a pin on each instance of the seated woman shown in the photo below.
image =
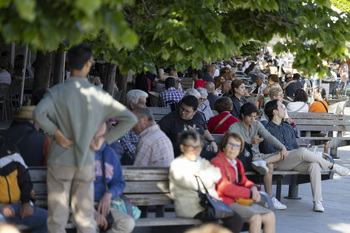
(320, 105)
(300, 102)
(273, 81)
(234, 184)
(219, 124)
(183, 184)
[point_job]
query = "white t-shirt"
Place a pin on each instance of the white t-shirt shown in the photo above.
(298, 107)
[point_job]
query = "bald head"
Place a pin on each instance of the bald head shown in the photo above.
(210, 87)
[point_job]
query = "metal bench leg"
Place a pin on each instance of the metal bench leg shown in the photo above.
(160, 211)
(279, 189)
(293, 189)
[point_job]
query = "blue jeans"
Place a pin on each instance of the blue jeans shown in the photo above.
(37, 221)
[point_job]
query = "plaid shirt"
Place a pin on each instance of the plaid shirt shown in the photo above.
(154, 148)
(170, 94)
(129, 141)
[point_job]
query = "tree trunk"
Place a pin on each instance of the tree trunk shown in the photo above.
(59, 64)
(108, 78)
(43, 67)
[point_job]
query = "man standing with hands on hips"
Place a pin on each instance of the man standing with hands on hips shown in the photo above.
(72, 112)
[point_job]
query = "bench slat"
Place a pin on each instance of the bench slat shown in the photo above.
(147, 187)
(145, 222)
(321, 128)
(149, 199)
(318, 122)
(144, 174)
(316, 116)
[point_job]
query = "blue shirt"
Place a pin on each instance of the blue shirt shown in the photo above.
(283, 133)
(114, 175)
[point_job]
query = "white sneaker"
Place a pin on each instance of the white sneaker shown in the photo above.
(260, 166)
(318, 207)
(278, 205)
(340, 170)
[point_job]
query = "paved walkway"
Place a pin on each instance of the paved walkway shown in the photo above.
(299, 216)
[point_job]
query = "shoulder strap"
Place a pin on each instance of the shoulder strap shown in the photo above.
(104, 171)
(324, 105)
(300, 108)
(222, 121)
(24, 136)
(228, 173)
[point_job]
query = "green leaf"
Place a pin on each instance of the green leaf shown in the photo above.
(88, 6)
(26, 9)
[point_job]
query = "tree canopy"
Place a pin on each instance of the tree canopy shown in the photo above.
(143, 34)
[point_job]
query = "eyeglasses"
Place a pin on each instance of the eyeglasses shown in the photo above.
(185, 111)
(193, 147)
(235, 146)
(282, 95)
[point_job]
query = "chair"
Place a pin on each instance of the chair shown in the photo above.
(13, 99)
(4, 87)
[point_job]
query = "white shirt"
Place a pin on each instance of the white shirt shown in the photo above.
(297, 107)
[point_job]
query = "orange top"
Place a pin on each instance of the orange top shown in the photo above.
(318, 107)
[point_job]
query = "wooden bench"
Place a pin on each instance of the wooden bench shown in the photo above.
(291, 178)
(146, 187)
(159, 112)
(309, 123)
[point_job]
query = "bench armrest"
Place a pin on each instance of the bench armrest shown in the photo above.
(266, 199)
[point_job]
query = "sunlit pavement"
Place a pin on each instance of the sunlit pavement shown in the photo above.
(299, 216)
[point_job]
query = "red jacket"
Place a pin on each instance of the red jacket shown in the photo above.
(227, 190)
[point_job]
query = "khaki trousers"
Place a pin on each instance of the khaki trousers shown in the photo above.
(303, 160)
(69, 183)
(123, 223)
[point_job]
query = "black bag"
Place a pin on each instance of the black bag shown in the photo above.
(214, 209)
(246, 157)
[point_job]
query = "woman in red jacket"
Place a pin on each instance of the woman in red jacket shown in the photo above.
(234, 185)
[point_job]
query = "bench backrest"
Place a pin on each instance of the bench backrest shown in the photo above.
(144, 185)
(159, 112)
(319, 121)
(187, 83)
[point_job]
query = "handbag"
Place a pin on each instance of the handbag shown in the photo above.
(246, 157)
(213, 208)
(241, 201)
(123, 204)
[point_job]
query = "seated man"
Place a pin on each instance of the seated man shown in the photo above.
(129, 140)
(250, 129)
(16, 191)
(204, 104)
(170, 94)
(154, 147)
(32, 143)
(186, 118)
(210, 87)
(299, 159)
(115, 183)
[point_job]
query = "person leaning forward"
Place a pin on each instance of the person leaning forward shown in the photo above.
(72, 112)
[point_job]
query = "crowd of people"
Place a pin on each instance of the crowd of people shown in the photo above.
(92, 135)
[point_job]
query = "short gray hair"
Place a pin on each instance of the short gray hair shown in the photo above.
(142, 111)
(133, 96)
(193, 92)
(202, 91)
